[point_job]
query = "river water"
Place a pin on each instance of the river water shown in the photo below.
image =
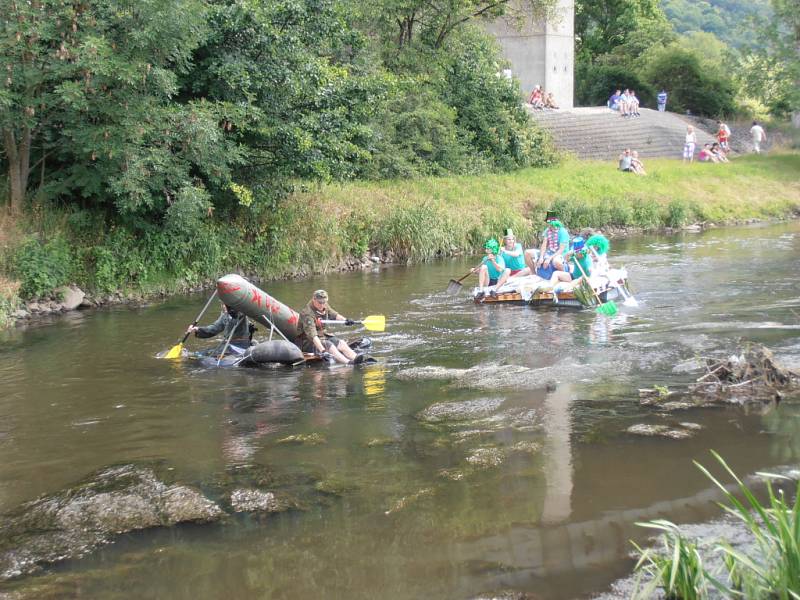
(420, 514)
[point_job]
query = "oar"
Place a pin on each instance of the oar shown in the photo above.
(455, 284)
(609, 308)
(372, 322)
(177, 350)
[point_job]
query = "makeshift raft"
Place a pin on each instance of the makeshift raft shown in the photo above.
(532, 290)
(240, 294)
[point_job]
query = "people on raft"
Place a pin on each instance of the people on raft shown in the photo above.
(313, 337)
(492, 271)
(233, 326)
(513, 255)
(555, 243)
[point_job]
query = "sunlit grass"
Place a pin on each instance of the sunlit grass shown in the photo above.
(771, 572)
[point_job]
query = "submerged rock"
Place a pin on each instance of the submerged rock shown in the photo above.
(660, 431)
(406, 500)
(495, 376)
(310, 439)
(459, 411)
(486, 457)
(74, 522)
(260, 501)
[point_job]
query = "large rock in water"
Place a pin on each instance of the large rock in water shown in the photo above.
(72, 297)
(76, 521)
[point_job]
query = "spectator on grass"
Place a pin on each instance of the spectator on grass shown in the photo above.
(661, 100)
(626, 161)
(636, 164)
(759, 135)
(689, 144)
(723, 135)
(718, 153)
(705, 154)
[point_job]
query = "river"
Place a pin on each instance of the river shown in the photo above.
(415, 518)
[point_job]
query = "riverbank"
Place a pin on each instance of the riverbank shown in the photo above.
(353, 225)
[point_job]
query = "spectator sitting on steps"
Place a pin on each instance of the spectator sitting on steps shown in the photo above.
(624, 104)
(613, 101)
(633, 104)
(550, 101)
(705, 154)
(536, 100)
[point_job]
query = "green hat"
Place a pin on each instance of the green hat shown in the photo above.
(555, 223)
(599, 242)
(321, 295)
(492, 245)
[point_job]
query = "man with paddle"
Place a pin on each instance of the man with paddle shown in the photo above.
(314, 338)
(235, 326)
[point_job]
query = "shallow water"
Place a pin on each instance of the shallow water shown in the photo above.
(84, 391)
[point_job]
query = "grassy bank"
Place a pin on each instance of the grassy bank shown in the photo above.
(319, 228)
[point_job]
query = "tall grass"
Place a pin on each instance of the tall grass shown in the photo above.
(772, 572)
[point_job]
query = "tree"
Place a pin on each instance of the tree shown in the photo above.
(403, 22)
(602, 25)
(88, 96)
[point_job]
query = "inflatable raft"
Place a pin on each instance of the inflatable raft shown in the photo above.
(532, 290)
(281, 323)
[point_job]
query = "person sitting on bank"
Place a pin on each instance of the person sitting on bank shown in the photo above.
(229, 321)
(313, 338)
(555, 241)
(550, 101)
(626, 161)
(513, 255)
(492, 271)
(636, 164)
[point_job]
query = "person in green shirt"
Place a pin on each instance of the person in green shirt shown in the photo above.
(492, 271)
(513, 254)
(578, 255)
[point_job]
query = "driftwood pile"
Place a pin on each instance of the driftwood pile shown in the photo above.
(752, 375)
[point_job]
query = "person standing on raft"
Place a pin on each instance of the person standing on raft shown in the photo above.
(229, 321)
(312, 337)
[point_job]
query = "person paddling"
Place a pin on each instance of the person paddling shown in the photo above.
(229, 321)
(492, 271)
(313, 338)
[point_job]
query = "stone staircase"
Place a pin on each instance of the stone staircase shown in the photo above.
(602, 134)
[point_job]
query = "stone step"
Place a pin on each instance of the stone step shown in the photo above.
(596, 132)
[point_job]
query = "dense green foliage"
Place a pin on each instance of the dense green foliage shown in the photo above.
(714, 58)
(726, 19)
(161, 113)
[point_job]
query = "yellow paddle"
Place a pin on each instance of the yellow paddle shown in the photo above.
(372, 322)
(177, 350)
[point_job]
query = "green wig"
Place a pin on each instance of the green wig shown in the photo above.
(599, 242)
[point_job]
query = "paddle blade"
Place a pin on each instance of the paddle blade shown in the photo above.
(609, 309)
(453, 287)
(175, 352)
(375, 322)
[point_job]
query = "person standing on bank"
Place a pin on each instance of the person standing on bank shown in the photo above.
(312, 337)
(759, 135)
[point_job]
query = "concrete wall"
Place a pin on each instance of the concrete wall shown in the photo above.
(541, 54)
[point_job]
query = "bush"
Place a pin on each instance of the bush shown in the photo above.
(691, 86)
(594, 84)
(42, 267)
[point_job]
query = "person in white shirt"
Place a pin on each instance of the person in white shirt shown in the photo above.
(759, 135)
(688, 146)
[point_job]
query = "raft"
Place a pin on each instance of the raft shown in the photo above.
(527, 291)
